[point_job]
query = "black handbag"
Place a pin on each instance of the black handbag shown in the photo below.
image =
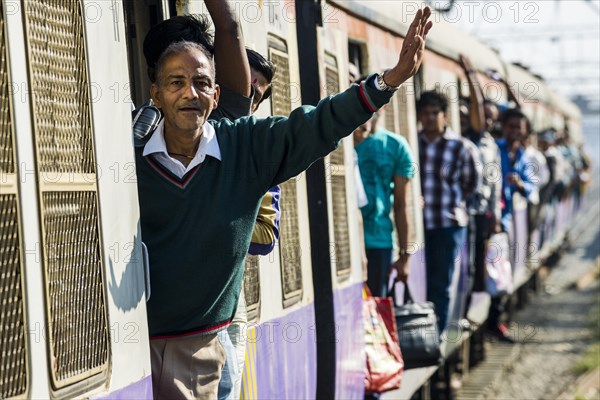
(417, 332)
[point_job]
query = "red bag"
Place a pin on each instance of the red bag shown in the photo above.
(384, 359)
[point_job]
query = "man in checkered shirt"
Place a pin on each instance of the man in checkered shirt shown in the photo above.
(449, 175)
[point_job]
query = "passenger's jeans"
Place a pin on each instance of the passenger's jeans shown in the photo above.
(442, 249)
(229, 373)
(378, 269)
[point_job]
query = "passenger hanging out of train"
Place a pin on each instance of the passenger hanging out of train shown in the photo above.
(197, 225)
(493, 110)
(515, 175)
(573, 163)
(449, 175)
(536, 167)
(477, 123)
(228, 47)
(514, 179)
(546, 140)
(386, 166)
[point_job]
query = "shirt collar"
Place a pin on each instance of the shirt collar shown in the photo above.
(209, 146)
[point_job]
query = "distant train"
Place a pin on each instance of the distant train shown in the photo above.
(73, 268)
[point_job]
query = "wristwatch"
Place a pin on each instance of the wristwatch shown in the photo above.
(384, 86)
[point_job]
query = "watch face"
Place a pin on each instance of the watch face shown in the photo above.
(382, 83)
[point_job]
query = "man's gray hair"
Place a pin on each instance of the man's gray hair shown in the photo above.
(180, 47)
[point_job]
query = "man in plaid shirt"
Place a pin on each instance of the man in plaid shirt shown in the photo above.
(449, 175)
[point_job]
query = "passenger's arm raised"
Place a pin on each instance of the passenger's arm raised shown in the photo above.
(411, 54)
(284, 147)
(233, 70)
(476, 112)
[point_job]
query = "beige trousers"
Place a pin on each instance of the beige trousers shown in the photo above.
(186, 368)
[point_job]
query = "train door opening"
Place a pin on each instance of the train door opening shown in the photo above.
(140, 16)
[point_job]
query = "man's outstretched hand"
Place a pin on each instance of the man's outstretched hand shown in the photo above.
(413, 46)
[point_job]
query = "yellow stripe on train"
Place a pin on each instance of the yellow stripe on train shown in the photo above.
(249, 385)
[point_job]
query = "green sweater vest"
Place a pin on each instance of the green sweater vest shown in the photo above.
(198, 229)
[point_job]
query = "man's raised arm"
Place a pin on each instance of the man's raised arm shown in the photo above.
(411, 54)
(476, 112)
(233, 70)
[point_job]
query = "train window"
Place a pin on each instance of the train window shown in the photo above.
(76, 307)
(252, 288)
(357, 55)
(337, 177)
(289, 238)
(13, 344)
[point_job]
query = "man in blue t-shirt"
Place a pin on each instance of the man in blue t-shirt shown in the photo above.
(386, 166)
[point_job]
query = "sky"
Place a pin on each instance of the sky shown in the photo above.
(558, 39)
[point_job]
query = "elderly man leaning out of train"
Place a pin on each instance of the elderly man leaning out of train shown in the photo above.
(244, 78)
(208, 214)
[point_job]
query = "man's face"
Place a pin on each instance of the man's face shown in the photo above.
(433, 119)
(261, 85)
(186, 92)
(514, 129)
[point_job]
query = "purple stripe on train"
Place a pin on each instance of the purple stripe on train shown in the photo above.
(286, 356)
(138, 391)
(350, 342)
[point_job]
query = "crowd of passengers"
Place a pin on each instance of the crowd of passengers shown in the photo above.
(468, 180)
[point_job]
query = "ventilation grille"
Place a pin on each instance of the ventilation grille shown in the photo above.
(7, 161)
(289, 238)
(74, 283)
(252, 287)
(289, 241)
(77, 334)
(59, 86)
(337, 178)
(13, 356)
(281, 101)
(340, 225)
(13, 344)
(333, 87)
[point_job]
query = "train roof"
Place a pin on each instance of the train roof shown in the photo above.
(443, 39)
(518, 75)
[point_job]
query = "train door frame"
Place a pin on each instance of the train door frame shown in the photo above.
(140, 16)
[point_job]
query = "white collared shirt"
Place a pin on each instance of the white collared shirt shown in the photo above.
(209, 146)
